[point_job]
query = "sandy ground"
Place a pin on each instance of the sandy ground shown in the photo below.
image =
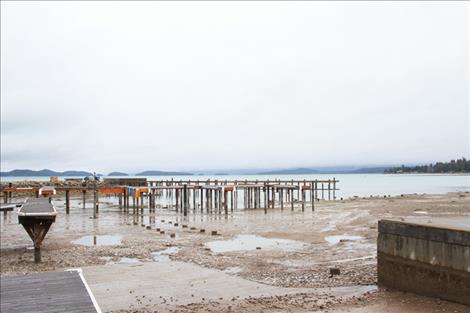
(280, 249)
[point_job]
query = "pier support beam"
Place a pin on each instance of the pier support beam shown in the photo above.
(83, 198)
(67, 202)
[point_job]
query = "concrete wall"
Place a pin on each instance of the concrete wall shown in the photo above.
(425, 259)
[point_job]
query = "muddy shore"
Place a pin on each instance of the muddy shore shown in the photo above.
(287, 249)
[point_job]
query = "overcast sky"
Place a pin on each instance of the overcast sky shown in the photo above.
(185, 86)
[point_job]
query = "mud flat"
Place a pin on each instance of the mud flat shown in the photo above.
(279, 261)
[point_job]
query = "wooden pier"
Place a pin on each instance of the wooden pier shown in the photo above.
(204, 196)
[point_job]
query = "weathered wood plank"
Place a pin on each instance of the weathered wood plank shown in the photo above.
(45, 292)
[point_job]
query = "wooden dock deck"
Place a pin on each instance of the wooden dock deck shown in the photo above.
(47, 292)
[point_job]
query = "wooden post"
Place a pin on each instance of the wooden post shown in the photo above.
(84, 198)
(265, 197)
(177, 194)
(134, 204)
(303, 199)
(67, 201)
(120, 201)
(312, 196)
(185, 200)
(273, 200)
(5, 197)
(231, 198)
(95, 202)
(334, 188)
(329, 190)
(244, 198)
(202, 199)
(235, 200)
(292, 199)
(154, 201)
(316, 189)
(219, 192)
(225, 201)
(268, 190)
(194, 199)
(125, 199)
(281, 198)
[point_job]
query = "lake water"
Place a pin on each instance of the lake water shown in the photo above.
(349, 184)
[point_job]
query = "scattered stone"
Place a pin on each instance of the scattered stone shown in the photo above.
(172, 235)
(202, 231)
(334, 271)
(185, 226)
(214, 233)
(148, 227)
(175, 224)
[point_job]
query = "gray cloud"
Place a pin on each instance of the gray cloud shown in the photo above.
(156, 85)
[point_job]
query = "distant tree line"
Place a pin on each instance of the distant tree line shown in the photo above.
(454, 166)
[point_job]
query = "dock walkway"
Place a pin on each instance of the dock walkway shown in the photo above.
(47, 292)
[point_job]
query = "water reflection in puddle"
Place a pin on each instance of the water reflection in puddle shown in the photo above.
(99, 240)
(233, 270)
(129, 261)
(164, 255)
(252, 242)
(341, 238)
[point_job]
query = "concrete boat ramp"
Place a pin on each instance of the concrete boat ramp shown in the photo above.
(160, 284)
(116, 286)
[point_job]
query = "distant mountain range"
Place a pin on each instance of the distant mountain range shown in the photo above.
(326, 170)
(288, 171)
(44, 172)
(118, 174)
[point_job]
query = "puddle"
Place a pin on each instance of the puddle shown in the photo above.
(421, 212)
(332, 240)
(329, 227)
(362, 258)
(233, 270)
(252, 242)
(129, 261)
(164, 255)
(99, 240)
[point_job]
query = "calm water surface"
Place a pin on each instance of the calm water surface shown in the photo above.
(350, 184)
